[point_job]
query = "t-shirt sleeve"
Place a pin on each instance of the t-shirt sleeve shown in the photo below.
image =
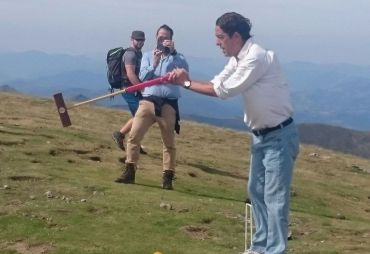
(129, 57)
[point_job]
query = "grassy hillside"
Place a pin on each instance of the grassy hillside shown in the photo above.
(58, 196)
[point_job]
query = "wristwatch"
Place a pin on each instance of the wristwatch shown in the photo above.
(187, 84)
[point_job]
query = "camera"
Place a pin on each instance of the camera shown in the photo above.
(162, 48)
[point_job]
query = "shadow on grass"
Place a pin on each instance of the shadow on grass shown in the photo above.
(191, 193)
(26, 134)
(215, 171)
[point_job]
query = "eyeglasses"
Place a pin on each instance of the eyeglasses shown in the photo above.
(139, 39)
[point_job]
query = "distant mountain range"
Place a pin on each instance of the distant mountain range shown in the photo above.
(332, 94)
(329, 94)
(336, 138)
(322, 94)
(330, 137)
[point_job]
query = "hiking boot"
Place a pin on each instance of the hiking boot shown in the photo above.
(119, 138)
(168, 176)
(128, 176)
(142, 151)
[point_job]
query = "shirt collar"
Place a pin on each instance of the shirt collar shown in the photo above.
(245, 49)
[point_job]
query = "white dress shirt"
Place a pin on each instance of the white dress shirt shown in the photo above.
(256, 75)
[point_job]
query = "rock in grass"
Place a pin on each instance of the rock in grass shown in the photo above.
(290, 235)
(166, 206)
(49, 194)
(340, 216)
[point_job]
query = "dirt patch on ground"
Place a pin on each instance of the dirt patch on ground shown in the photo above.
(25, 178)
(23, 247)
(196, 232)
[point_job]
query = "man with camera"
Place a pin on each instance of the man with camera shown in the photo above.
(159, 104)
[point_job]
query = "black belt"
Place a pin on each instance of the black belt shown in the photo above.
(262, 132)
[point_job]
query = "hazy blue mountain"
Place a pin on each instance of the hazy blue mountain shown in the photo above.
(36, 64)
(333, 94)
(63, 82)
(8, 89)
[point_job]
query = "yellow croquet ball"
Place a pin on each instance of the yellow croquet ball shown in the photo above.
(157, 252)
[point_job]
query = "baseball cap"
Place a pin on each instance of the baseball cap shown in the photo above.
(138, 35)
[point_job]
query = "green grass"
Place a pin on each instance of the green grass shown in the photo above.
(80, 163)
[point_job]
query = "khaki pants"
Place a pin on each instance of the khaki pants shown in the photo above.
(144, 118)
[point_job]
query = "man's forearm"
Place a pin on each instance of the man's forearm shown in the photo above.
(133, 79)
(202, 87)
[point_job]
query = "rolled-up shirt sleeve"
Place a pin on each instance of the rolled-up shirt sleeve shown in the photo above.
(237, 77)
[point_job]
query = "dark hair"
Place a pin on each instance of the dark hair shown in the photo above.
(165, 27)
(232, 22)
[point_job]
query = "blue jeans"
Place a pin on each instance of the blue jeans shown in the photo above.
(132, 99)
(270, 176)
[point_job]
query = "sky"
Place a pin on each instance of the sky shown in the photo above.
(319, 31)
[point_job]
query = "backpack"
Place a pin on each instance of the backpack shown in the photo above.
(115, 73)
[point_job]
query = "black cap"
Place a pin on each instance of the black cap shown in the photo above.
(138, 35)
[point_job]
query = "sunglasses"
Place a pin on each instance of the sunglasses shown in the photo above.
(139, 39)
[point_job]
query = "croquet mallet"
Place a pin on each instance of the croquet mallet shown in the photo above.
(62, 109)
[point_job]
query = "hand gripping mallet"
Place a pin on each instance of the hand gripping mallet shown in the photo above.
(62, 109)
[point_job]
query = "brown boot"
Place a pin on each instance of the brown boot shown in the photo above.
(128, 176)
(168, 176)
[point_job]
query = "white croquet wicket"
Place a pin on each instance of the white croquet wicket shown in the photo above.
(248, 236)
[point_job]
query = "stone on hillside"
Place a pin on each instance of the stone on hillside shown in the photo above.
(49, 194)
(6, 187)
(314, 155)
(340, 216)
(290, 235)
(83, 200)
(166, 206)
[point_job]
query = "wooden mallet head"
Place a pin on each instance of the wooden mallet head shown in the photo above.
(62, 110)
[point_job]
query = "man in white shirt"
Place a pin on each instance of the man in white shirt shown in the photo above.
(254, 73)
